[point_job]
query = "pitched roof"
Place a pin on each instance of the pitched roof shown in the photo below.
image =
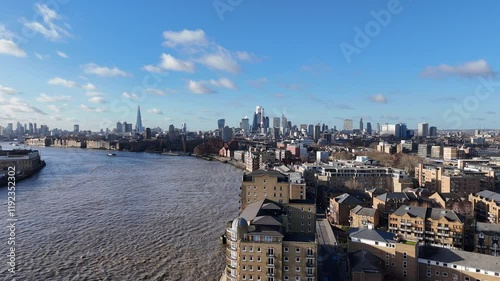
(420, 212)
(462, 258)
(371, 234)
(346, 198)
(365, 261)
(489, 195)
(397, 196)
(265, 220)
(432, 213)
(488, 228)
(363, 211)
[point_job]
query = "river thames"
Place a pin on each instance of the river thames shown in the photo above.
(136, 216)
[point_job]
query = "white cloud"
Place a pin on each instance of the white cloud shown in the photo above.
(55, 108)
(168, 62)
(152, 68)
(92, 68)
(97, 99)
(130, 96)
(224, 83)
(45, 98)
(155, 91)
(468, 69)
(246, 56)
(155, 111)
(8, 90)
(184, 37)
(62, 55)
(48, 28)
(89, 87)
(199, 87)
(63, 82)
(8, 47)
(222, 60)
(91, 109)
(4, 33)
(14, 106)
(378, 98)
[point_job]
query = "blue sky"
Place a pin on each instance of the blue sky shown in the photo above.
(65, 62)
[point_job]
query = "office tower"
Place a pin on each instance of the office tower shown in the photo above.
(378, 128)
(30, 126)
(403, 131)
(317, 132)
(361, 125)
(260, 111)
(284, 123)
(245, 125)
(221, 123)
(423, 130)
(76, 128)
(35, 129)
(138, 124)
(227, 134)
(369, 128)
(171, 128)
(310, 130)
(433, 131)
(276, 122)
(348, 124)
(119, 127)
(265, 124)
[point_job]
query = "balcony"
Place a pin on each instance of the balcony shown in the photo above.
(429, 232)
(408, 224)
(419, 231)
(443, 228)
(271, 255)
(443, 234)
(270, 274)
(270, 265)
(481, 246)
(310, 255)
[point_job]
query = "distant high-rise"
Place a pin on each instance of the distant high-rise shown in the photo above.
(245, 125)
(361, 125)
(369, 128)
(276, 122)
(348, 124)
(119, 127)
(433, 131)
(310, 130)
(76, 128)
(284, 124)
(378, 128)
(317, 132)
(227, 134)
(221, 123)
(423, 129)
(138, 124)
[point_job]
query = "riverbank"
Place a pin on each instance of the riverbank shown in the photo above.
(4, 180)
(237, 164)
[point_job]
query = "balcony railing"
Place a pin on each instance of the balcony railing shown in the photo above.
(270, 254)
(443, 228)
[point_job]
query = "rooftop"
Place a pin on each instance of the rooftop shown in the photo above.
(462, 258)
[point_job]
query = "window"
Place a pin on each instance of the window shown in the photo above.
(250, 249)
(297, 269)
(297, 259)
(445, 274)
(244, 258)
(466, 278)
(386, 264)
(404, 255)
(404, 274)
(297, 278)
(285, 268)
(286, 250)
(286, 259)
(437, 273)
(258, 268)
(297, 250)
(393, 264)
(286, 278)
(404, 264)
(243, 249)
(251, 258)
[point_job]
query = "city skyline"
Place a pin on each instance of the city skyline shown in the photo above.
(347, 61)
